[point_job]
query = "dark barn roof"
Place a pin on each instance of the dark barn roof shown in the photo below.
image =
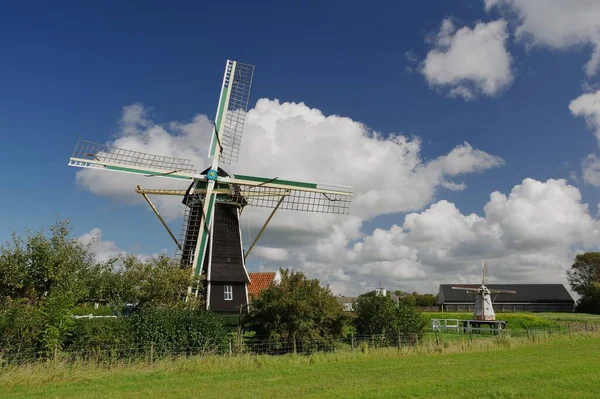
(526, 293)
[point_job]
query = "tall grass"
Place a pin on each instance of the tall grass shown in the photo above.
(86, 370)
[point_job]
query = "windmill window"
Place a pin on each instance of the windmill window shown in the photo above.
(228, 293)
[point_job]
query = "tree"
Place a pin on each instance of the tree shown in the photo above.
(38, 266)
(297, 310)
(51, 273)
(375, 314)
(584, 278)
(48, 275)
(419, 299)
(379, 314)
(158, 282)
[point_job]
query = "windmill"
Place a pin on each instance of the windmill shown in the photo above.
(210, 244)
(483, 301)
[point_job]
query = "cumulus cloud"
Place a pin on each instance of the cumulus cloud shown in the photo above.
(294, 141)
(588, 106)
(556, 24)
(470, 61)
(137, 132)
(103, 249)
(529, 235)
(270, 253)
(591, 170)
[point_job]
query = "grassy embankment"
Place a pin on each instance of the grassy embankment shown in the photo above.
(559, 366)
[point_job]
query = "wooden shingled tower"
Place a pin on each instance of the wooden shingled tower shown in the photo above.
(211, 241)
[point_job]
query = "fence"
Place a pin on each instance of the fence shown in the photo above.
(254, 346)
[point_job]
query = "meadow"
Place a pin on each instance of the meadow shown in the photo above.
(541, 366)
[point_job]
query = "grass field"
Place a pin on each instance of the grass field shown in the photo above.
(557, 367)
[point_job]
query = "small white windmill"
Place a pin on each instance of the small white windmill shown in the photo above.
(483, 299)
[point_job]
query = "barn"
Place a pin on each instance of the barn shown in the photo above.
(529, 298)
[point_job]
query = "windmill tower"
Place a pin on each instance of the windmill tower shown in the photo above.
(484, 309)
(211, 239)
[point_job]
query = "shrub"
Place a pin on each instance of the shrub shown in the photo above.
(177, 330)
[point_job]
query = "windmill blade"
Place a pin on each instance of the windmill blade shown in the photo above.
(205, 229)
(103, 157)
(470, 290)
(231, 112)
(299, 196)
(495, 291)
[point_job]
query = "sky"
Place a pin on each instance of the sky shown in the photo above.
(469, 129)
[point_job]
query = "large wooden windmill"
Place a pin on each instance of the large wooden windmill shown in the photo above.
(211, 239)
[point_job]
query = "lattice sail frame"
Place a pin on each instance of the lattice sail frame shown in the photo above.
(295, 200)
(100, 156)
(237, 82)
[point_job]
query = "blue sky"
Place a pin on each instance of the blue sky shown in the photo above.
(68, 69)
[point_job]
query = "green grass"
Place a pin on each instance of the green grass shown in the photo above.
(564, 318)
(562, 366)
(514, 321)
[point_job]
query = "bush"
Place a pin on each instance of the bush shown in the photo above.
(21, 326)
(177, 330)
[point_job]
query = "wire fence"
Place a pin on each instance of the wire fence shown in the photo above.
(236, 345)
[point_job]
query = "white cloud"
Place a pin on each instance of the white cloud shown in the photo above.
(293, 141)
(588, 106)
(270, 253)
(556, 24)
(470, 61)
(529, 235)
(102, 249)
(591, 170)
(290, 140)
(105, 250)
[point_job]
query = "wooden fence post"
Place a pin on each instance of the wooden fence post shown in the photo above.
(352, 342)
(152, 352)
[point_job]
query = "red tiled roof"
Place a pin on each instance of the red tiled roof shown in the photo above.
(259, 282)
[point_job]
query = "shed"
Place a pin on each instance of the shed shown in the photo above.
(529, 298)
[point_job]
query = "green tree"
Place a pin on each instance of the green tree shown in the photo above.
(297, 310)
(419, 299)
(379, 314)
(35, 267)
(584, 278)
(159, 282)
(53, 273)
(375, 314)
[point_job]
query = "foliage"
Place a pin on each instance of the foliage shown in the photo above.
(89, 334)
(297, 310)
(179, 329)
(380, 314)
(45, 277)
(20, 326)
(34, 267)
(584, 278)
(156, 283)
(419, 299)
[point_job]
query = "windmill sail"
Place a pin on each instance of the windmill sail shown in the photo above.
(231, 115)
(100, 156)
(298, 196)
